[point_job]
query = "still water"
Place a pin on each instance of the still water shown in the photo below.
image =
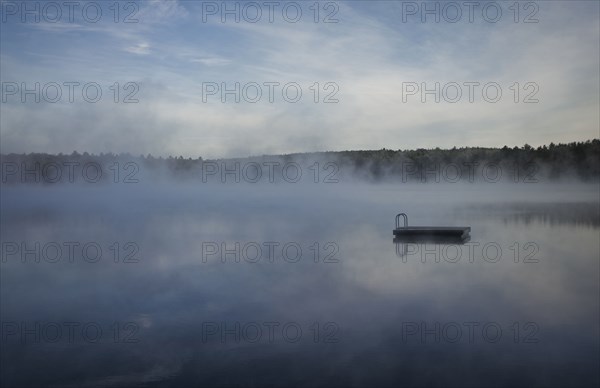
(284, 285)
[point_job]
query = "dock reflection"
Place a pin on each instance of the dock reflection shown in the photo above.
(402, 242)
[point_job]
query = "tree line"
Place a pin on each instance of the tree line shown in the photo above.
(575, 160)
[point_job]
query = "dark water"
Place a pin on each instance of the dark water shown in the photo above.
(315, 295)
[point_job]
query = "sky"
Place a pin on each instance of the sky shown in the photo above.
(312, 76)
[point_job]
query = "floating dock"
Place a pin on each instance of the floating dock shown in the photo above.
(433, 239)
(422, 233)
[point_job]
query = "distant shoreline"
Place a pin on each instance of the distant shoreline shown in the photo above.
(576, 160)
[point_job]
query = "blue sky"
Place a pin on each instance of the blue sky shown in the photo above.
(368, 54)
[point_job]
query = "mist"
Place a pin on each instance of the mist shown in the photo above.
(299, 193)
(203, 255)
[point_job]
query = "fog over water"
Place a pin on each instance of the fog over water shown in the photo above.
(207, 314)
(209, 194)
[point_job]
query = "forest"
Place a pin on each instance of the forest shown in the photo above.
(569, 161)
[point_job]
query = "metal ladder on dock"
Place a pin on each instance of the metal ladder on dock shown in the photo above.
(403, 215)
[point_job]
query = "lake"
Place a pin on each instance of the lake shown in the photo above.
(299, 285)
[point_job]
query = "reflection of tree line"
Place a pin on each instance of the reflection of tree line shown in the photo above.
(586, 214)
(580, 160)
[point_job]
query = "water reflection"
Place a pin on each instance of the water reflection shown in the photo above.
(402, 243)
(578, 214)
(367, 318)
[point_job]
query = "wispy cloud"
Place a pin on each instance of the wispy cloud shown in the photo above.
(58, 27)
(140, 49)
(211, 61)
(161, 11)
(369, 54)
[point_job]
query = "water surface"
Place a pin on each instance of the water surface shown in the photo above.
(313, 294)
